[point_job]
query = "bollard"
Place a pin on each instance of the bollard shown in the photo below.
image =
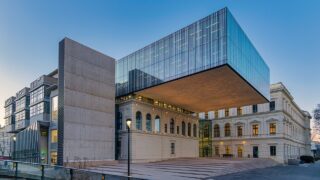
(16, 172)
(71, 174)
(42, 171)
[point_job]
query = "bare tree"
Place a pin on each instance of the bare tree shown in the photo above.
(316, 121)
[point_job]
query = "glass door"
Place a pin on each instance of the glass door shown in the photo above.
(255, 151)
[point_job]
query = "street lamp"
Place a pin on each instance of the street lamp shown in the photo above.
(14, 147)
(128, 126)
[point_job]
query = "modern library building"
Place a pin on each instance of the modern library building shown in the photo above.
(174, 90)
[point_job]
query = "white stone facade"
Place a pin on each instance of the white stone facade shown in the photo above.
(279, 130)
(150, 145)
(288, 138)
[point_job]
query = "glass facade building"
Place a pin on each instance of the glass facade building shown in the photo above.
(213, 41)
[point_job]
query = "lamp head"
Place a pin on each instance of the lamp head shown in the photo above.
(129, 122)
(14, 138)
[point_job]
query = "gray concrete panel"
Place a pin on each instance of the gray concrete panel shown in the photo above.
(86, 104)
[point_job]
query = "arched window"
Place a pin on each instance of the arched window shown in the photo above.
(157, 124)
(189, 129)
(172, 126)
(216, 130)
(148, 122)
(194, 130)
(183, 128)
(227, 130)
(138, 120)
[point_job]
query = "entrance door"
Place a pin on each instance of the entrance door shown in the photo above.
(205, 141)
(255, 151)
(240, 151)
(206, 151)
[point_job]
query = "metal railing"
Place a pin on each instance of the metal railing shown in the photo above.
(18, 169)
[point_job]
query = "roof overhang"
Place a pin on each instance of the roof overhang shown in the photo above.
(208, 90)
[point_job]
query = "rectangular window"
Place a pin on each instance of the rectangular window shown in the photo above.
(37, 95)
(53, 157)
(228, 150)
(21, 116)
(216, 151)
(216, 115)
(8, 111)
(37, 109)
(157, 124)
(20, 104)
(255, 130)
(173, 148)
(239, 111)
(273, 150)
(226, 113)
(54, 136)
(54, 108)
(272, 128)
(165, 128)
(272, 106)
(239, 131)
(254, 108)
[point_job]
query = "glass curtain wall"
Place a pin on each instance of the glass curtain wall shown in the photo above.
(197, 47)
(205, 138)
(245, 59)
(210, 42)
(27, 144)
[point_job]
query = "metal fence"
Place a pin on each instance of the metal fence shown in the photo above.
(27, 170)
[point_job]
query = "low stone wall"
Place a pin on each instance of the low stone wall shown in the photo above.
(89, 163)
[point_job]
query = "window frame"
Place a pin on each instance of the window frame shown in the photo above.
(172, 126)
(227, 130)
(172, 148)
(148, 122)
(138, 120)
(240, 127)
(216, 131)
(195, 130)
(272, 128)
(189, 129)
(183, 128)
(273, 150)
(157, 124)
(272, 106)
(255, 129)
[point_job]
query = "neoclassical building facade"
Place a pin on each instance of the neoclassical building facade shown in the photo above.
(279, 130)
(159, 131)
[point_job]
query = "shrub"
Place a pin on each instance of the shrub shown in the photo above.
(307, 159)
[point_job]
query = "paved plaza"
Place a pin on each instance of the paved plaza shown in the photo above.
(200, 168)
(300, 172)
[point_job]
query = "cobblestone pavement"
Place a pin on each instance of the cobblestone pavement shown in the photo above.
(184, 169)
(285, 172)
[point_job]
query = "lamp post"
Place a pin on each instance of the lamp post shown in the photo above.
(128, 126)
(14, 147)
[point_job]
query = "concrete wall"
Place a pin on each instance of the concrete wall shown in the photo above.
(86, 104)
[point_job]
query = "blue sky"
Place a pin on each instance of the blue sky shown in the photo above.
(285, 32)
